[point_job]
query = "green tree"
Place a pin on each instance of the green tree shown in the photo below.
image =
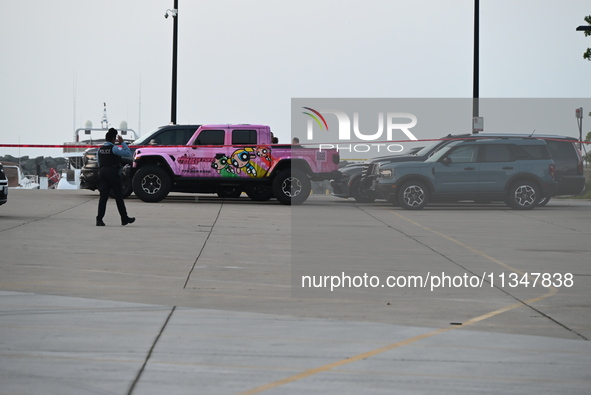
(587, 54)
(587, 157)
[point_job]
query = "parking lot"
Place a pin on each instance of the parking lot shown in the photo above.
(204, 295)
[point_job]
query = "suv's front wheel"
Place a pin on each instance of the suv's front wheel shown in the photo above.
(413, 195)
(523, 195)
(151, 183)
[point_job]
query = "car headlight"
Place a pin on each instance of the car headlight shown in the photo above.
(386, 173)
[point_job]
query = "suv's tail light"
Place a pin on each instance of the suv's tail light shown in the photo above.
(552, 170)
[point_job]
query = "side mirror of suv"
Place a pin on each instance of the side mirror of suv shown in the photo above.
(446, 160)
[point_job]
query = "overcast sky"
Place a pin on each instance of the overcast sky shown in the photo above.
(241, 61)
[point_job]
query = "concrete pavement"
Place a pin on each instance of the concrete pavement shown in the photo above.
(201, 296)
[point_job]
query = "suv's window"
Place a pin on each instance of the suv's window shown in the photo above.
(463, 154)
(531, 152)
(211, 137)
(497, 153)
(561, 149)
(244, 137)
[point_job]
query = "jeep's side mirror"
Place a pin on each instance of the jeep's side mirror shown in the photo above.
(446, 160)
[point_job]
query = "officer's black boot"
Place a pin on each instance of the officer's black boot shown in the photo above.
(128, 220)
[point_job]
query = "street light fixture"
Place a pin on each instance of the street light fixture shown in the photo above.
(584, 28)
(171, 12)
(175, 16)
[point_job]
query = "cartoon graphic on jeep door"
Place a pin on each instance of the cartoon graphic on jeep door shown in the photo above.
(241, 160)
(222, 165)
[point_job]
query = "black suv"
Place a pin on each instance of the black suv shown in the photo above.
(3, 186)
(164, 135)
(569, 165)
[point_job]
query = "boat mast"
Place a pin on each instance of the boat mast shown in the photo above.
(104, 120)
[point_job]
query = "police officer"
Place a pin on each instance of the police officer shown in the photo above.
(109, 161)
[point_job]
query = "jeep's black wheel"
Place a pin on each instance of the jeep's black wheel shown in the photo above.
(413, 195)
(523, 195)
(292, 186)
(229, 192)
(151, 183)
(259, 193)
(361, 195)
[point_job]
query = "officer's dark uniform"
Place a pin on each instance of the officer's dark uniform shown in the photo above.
(109, 179)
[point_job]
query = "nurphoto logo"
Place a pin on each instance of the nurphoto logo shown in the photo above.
(389, 125)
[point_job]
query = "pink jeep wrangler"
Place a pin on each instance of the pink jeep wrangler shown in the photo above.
(230, 159)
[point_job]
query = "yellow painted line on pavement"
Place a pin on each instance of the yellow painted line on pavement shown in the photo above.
(328, 367)
(389, 347)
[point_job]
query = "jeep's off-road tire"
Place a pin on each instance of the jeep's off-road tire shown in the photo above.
(523, 195)
(413, 195)
(259, 193)
(292, 186)
(151, 183)
(362, 196)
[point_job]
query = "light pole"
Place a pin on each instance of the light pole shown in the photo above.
(175, 29)
(579, 111)
(475, 81)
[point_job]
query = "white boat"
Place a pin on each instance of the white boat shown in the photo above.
(83, 137)
(16, 177)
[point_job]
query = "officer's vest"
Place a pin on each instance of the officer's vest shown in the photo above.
(107, 158)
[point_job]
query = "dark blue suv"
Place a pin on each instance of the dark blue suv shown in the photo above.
(518, 171)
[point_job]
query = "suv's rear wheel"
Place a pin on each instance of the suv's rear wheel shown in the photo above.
(151, 183)
(523, 195)
(292, 186)
(413, 195)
